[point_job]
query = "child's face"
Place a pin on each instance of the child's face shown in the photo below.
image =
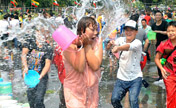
(171, 32)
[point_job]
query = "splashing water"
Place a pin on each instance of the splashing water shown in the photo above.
(115, 12)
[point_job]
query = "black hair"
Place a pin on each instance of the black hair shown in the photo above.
(172, 23)
(83, 23)
(159, 12)
(16, 12)
(5, 16)
(134, 17)
(94, 15)
(169, 15)
(16, 17)
(144, 20)
(12, 16)
(51, 14)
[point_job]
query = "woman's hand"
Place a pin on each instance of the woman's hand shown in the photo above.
(77, 41)
(86, 40)
(165, 74)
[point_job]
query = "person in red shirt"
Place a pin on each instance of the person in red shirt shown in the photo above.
(58, 61)
(168, 70)
(147, 17)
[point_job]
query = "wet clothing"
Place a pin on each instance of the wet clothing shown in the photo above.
(170, 66)
(58, 61)
(129, 63)
(36, 61)
(36, 95)
(122, 87)
(81, 89)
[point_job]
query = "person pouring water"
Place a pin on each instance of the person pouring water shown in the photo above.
(37, 55)
(129, 75)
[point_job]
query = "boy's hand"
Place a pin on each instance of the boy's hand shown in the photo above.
(25, 71)
(165, 74)
(112, 42)
(115, 49)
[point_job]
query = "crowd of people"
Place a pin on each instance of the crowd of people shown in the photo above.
(79, 67)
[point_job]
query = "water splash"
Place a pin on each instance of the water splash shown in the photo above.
(115, 12)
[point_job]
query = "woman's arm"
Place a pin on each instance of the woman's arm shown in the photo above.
(46, 68)
(76, 58)
(94, 57)
(24, 60)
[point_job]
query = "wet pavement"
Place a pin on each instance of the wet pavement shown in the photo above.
(152, 97)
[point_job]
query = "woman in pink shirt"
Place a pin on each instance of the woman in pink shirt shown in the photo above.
(83, 67)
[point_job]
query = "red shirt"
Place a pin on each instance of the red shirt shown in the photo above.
(58, 61)
(165, 48)
(147, 18)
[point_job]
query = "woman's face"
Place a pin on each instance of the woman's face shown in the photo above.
(91, 31)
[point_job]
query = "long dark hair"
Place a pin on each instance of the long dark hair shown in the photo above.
(84, 23)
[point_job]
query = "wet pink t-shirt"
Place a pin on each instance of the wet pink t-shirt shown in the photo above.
(81, 89)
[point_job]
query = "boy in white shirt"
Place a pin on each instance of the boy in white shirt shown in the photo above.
(129, 75)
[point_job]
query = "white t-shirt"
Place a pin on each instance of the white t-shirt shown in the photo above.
(14, 23)
(129, 63)
(4, 25)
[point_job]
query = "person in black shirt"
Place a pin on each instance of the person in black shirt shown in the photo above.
(37, 56)
(159, 27)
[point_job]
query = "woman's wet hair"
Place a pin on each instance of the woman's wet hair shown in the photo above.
(84, 23)
(172, 23)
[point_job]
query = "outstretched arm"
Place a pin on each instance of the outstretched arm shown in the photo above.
(121, 48)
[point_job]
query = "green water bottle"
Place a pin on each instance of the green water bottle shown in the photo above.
(163, 61)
